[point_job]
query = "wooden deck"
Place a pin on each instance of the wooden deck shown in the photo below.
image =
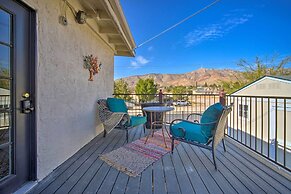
(188, 170)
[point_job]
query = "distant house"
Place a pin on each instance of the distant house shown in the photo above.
(261, 110)
(204, 90)
(4, 97)
(267, 86)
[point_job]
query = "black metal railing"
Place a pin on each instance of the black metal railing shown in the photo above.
(184, 103)
(263, 124)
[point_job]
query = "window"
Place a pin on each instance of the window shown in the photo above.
(243, 111)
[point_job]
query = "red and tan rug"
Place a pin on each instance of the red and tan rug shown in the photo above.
(133, 158)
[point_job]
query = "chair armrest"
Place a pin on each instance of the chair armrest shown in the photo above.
(126, 119)
(196, 114)
(173, 122)
(183, 130)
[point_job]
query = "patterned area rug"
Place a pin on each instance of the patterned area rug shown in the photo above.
(135, 157)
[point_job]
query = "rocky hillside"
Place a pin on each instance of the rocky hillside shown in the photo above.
(200, 76)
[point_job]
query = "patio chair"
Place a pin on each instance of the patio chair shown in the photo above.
(206, 133)
(115, 113)
(109, 119)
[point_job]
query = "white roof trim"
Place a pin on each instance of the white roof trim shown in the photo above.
(115, 19)
(260, 80)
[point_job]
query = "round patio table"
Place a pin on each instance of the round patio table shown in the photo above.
(158, 109)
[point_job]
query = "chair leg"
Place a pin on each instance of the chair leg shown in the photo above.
(172, 146)
(144, 128)
(213, 156)
(223, 143)
(104, 133)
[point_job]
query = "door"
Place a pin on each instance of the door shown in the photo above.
(17, 129)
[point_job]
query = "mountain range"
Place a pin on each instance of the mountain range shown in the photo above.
(199, 77)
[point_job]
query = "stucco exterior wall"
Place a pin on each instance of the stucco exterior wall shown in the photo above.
(66, 111)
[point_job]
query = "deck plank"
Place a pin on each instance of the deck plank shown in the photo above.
(170, 175)
(202, 171)
(68, 185)
(221, 181)
(249, 172)
(120, 184)
(229, 176)
(267, 172)
(63, 178)
(194, 177)
(133, 185)
(106, 186)
(146, 181)
(182, 176)
(239, 174)
(188, 170)
(87, 176)
(64, 166)
(97, 180)
(159, 178)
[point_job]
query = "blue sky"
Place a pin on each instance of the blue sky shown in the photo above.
(217, 38)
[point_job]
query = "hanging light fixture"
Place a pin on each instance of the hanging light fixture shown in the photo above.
(81, 17)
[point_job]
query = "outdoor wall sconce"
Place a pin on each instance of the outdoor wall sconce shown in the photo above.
(91, 63)
(81, 17)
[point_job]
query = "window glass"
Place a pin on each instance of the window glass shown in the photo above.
(4, 27)
(4, 62)
(4, 161)
(243, 110)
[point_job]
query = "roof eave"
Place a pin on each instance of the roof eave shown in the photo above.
(113, 7)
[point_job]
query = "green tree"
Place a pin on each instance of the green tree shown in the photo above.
(168, 88)
(180, 90)
(256, 70)
(4, 73)
(121, 87)
(147, 88)
(230, 87)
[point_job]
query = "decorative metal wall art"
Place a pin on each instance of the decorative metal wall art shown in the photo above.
(92, 64)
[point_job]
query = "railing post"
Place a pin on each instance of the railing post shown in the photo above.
(222, 100)
(161, 96)
(222, 97)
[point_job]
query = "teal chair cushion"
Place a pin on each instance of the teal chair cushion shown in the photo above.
(116, 105)
(137, 120)
(211, 114)
(193, 132)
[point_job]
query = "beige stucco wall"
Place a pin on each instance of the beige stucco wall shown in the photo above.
(66, 111)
